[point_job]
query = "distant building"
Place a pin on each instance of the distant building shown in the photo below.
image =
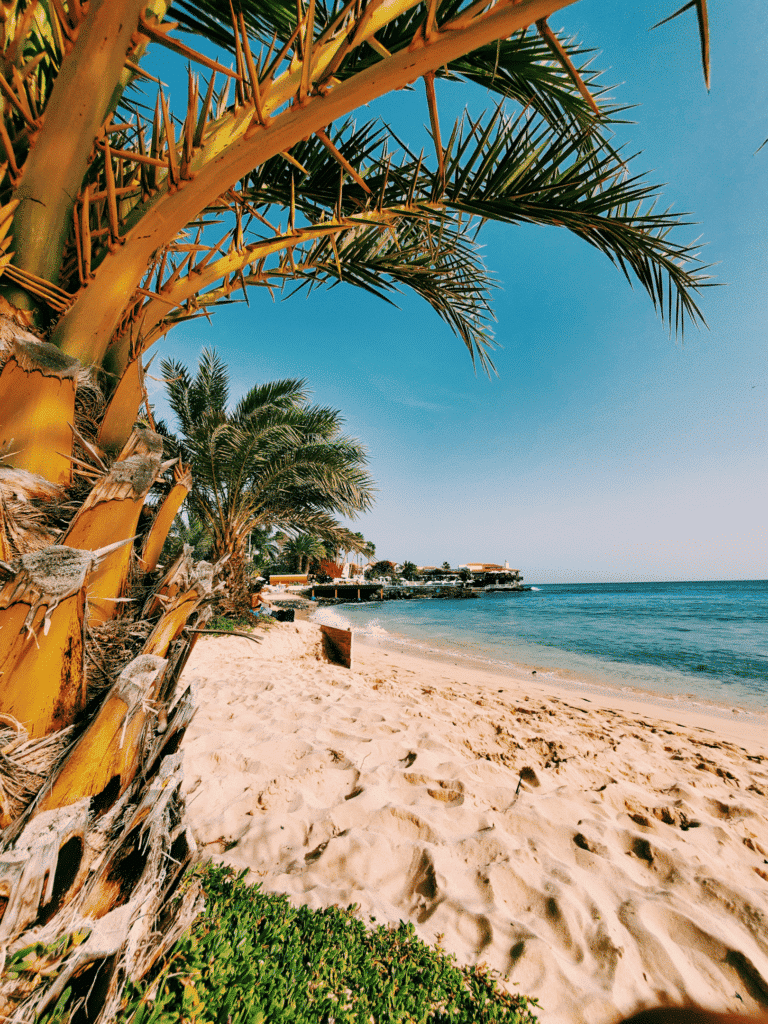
(492, 576)
(492, 567)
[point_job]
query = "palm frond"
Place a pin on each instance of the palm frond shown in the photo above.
(513, 170)
(703, 22)
(278, 394)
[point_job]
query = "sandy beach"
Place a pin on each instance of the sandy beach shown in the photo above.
(600, 852)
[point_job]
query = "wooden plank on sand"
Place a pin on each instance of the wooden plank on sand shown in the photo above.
(337, 645)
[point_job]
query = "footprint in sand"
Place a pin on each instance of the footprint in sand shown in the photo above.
(404, 823)
(439, 789)
(740, 973)
(590, 845)
(676, 817)
(728, 811)
(664, 865)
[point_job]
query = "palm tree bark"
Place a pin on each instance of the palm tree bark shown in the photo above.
(235, 598)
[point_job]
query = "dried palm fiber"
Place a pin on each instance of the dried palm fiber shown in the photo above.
(26, 765)
(25, 486)
(108, 646)
(89, 405)
(25, 523)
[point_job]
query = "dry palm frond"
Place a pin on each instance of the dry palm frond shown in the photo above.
(109, 646)
(25, 520)
(25, 765)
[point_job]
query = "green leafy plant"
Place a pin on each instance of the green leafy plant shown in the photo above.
(253, 957)
(230, 623)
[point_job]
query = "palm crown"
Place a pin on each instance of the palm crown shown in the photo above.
(134, 251)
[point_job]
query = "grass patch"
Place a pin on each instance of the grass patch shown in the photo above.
(231, 622)
(252, 958)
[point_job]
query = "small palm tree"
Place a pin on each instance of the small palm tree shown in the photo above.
(409, 570)
(263, 546)
(303, 549)
(272, 460)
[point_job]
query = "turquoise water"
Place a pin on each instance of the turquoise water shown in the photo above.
(703, 642)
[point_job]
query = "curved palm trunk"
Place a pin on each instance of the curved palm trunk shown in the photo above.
(92, 645)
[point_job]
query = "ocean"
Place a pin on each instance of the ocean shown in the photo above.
(703, 643)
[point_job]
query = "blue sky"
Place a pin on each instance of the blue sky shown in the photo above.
(604, 450)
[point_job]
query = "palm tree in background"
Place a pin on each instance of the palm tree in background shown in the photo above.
(121, 217)
(190, 532)
(303, 549)
(263, 546)
(274, 460)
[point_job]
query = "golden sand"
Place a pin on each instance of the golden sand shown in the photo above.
(597, 853)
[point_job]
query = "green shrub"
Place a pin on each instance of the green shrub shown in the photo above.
(231, 622)
(251, 958)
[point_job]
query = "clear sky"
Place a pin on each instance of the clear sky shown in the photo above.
(604, 450)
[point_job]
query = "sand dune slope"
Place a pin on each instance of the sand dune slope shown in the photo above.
(598, 857)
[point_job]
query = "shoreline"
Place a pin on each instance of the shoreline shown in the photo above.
(601, 854)
(558, 681)
(563, 679)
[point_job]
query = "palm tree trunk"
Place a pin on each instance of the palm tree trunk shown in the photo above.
(235, 598)
(92, 644)
(238, 598)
